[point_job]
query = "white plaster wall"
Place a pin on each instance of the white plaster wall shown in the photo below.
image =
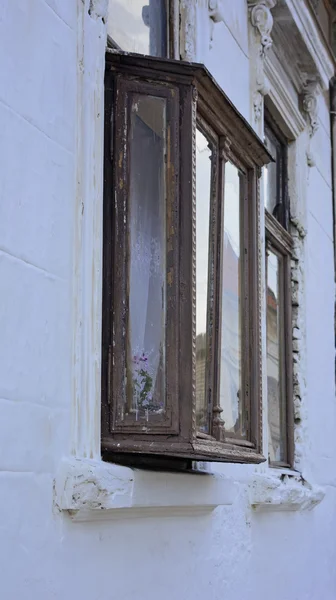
(223, 48)
(232, 553)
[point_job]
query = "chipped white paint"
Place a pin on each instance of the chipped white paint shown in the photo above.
(98, 9)
(270, 493)
(50, 268)
(87, 296)
(91, 490)
(188, 30)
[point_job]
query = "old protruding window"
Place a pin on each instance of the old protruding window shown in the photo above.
(278, 299)
(181, 317)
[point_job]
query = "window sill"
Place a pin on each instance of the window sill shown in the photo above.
(283, 492)
(89, 490)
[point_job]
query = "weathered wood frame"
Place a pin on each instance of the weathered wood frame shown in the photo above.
(198, 94)
(126, 88)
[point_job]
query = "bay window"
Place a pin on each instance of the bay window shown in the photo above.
(181, 313)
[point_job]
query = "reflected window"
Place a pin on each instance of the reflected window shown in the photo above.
(139, 26)
(275, 360)
(203, 201)
(231, 397)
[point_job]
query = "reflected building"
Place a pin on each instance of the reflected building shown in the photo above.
(273, 387)
(231, 353)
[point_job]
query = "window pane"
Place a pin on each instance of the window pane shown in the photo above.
(146, 265)
(203, 191)
(138, 26)
(271, 178)
(276, 406)
(231, 396)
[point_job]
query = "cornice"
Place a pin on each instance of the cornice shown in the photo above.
(282, 99)
(295, 33)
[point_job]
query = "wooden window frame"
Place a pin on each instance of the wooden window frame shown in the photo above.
(279, 240)
(194, 95)
(214, 309)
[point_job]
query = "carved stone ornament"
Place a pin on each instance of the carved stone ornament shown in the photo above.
(216, 14)
(216, 10)
(309, 105)
(262, 21)
(309, 108)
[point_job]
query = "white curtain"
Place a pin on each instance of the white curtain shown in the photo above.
(147, 253)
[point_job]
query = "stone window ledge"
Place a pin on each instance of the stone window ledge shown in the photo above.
(283, 492)
(88, 490)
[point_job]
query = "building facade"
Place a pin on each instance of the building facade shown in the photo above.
(191, 454)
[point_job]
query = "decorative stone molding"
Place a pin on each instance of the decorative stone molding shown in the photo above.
(268, 492)
(284, 101)
(89, 490)
(286, 81)
(309, 105)
(308, 102)
(286, 104)
(262, 20)
(216, 10)
(216, 14)
(260, 41)
(298, 234)
(301, 47)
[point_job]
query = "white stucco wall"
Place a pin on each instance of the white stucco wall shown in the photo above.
(232, 552)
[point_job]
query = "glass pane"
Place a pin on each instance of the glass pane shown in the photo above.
(276, 408)
(271, 177)
(231, 396)
(138, 26)
(147, 251)
(203, 191)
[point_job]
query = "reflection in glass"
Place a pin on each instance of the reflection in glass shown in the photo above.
(146, 265)
(203, 192)
(231, 397)
(271, 177)
(276, 408)
(139, 25)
